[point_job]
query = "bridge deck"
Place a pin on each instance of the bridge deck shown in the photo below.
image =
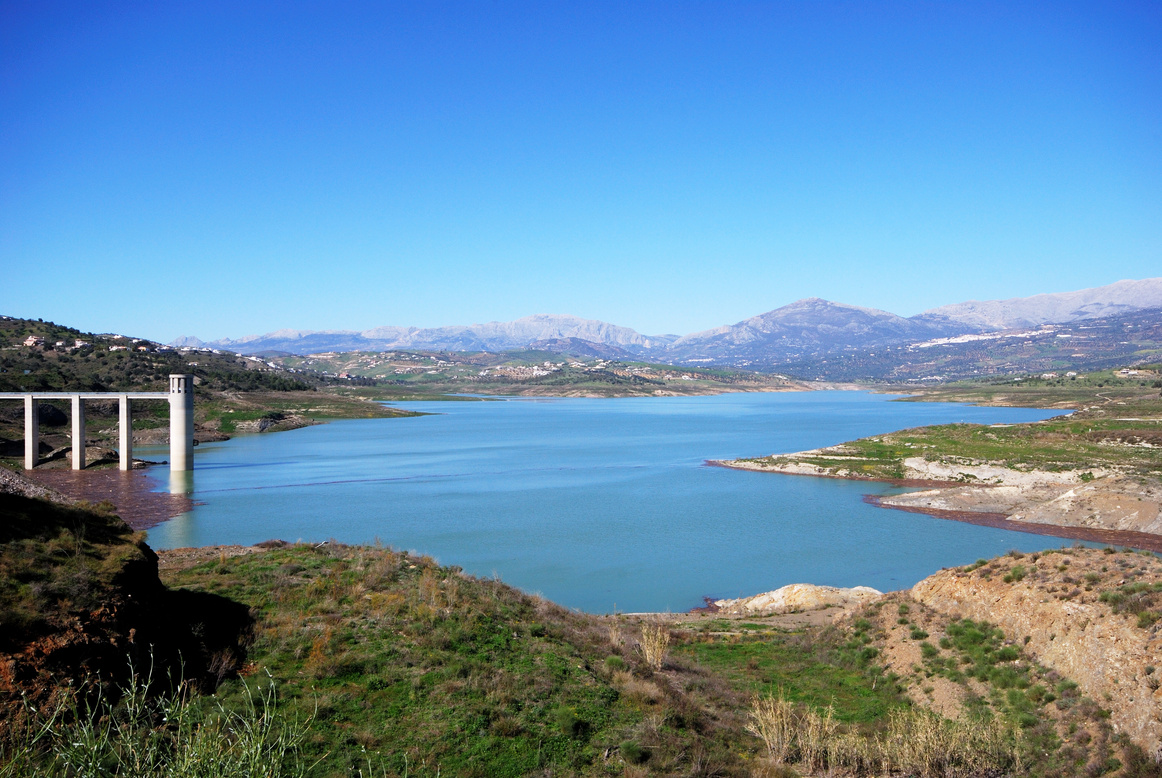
(84, 395)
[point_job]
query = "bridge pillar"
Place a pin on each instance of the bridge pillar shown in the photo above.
(78, 433)
(125, 430)
(181, 422)
(31, 432)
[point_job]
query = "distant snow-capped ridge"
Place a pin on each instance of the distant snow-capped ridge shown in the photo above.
(1059, 308)
(812, 328)
(492, 336)
(803, 329)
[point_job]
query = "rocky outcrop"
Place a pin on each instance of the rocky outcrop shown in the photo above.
(15, 484)
(160, 435)
(797, 597)
(1109, 655)
(273, 423)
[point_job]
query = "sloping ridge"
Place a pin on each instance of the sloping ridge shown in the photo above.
(1059, 308)
(809, 327)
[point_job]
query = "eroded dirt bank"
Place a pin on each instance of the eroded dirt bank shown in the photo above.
(1090, 615)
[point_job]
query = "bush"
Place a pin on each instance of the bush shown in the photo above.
(633, 753)
(1016, 573)
(654, 645)
(570, 724)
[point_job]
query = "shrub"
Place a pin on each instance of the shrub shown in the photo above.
(570, 724)
(633, 752)
(655, 643)
(773, 721)
(1016, 573)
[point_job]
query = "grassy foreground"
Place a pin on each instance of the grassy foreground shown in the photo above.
(333, 660)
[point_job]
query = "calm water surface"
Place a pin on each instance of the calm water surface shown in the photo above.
(595, 503)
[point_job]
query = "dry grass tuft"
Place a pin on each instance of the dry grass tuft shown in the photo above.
(636, 689)
(775, 722)
(654, 644)
(915, 742)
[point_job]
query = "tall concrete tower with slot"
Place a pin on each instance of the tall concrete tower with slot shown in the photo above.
(181, 422)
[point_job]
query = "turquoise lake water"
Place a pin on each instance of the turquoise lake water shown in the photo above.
(595, 503)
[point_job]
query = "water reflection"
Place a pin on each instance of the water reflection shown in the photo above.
(181, 481)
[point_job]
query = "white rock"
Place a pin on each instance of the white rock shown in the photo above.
(798, 597)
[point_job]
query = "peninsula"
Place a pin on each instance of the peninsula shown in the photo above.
(1094, 472)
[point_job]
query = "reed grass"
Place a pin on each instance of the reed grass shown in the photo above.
(914, 742)
(654, 644)
(145, 735)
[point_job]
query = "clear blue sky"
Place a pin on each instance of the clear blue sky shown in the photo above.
(225, 168)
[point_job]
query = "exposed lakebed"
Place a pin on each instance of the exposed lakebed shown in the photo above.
(595, 503)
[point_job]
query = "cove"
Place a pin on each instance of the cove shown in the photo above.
(596, 504)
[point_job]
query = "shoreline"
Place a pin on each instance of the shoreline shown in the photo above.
(920, 483)
(1145, 541)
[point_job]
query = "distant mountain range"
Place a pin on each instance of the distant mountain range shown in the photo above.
(805, 331)
(493, 336)
(1096, 303)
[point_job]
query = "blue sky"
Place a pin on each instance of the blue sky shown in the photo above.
(220, 169)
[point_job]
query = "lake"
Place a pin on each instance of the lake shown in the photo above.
(596, 504)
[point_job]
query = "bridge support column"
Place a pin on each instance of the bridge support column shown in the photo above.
(31, 432)
(181, 422)
(125, 430)
(78, 433)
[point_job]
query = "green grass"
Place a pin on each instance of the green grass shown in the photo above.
(424, 670)
(818, 670)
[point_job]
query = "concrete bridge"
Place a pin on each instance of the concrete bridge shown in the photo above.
(181, 422)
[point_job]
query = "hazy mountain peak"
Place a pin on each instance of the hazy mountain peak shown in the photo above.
(187, 341)
(490, 336)
(1055, 308)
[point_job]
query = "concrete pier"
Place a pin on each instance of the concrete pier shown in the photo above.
(31, 432)
(125, 432)
(78, 432)
(181, 422)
